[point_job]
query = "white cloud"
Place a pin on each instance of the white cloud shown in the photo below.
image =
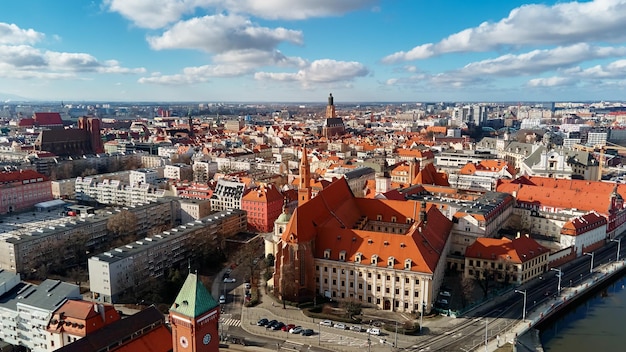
(151, 14)
(12, 34)
(319, 71)
(560, 24)
(551, 82)
(295, 10)
(24, 61)
(220, 33)
(155, 14)
(538, 61)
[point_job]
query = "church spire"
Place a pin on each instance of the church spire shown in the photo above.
(304, 188)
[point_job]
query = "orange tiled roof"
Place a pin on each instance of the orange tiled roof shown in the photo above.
(518, 250)
(329, 219)
(583, 223)
(429, 176)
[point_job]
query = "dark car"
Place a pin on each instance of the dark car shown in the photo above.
(262, 322)
(278, 326)
(271, 323)
(307, 332)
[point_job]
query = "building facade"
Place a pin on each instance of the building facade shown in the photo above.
(21, 190)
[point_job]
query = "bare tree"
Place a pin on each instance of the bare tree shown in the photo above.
(485, 278)
(288, 284)
(467, 291)
(122, 224)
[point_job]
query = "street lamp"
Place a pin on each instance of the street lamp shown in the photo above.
(592, 254)
(524, 311)
(559, 275)
(619, 243)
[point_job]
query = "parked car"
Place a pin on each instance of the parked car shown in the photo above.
(278, 326)
(356, 328)
(373, 331)
(222, 299)
(247, 285)
(340, 326)
(230, 279)
(288, 327)
(271, 323)
(296, 330)
(326, 323)
(444, 294)
(307, 332)
(262, 322)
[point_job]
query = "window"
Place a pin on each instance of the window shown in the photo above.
(357, 257)
(327, 254)
(393, 219)
(377, 288)
(334, 270)
(406, 292)
(391, 261)
(360, 286)
(369, 287)
(416, 294)
(342, 256)
(379, 217)
(388, 277)
(386, 289)
(397, 278)
(397, 291)
(369, 275)
(334, 282)
(378, 276)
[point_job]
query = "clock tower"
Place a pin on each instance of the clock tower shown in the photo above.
(194, 318)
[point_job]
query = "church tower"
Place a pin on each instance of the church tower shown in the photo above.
(194, 318)
(304, 189)
(330, 108)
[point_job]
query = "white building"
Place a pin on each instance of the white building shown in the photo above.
(583, 231)
(227, 195)
(115, 192)
(24, 314)
(178, 172)
(143, 176)
(115, 271)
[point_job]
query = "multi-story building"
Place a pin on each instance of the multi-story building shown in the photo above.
(509, 261)
(390, 254)
(263, 206)
(63, 189)
(26, 309)
(458, 159)
(75, 319)
(481, 176)
(113, 272)
(143, 176)
(583, 232)
(115, 192)
(178, 172)
(561, 163)
(203, 171)
(227, 195)
(25, 248)
(20, 190)
(194, 209)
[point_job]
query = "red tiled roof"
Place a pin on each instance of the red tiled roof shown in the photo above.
(48, 118)
(331, 215)
(583, 223)
(157, 340)
(14, 176)
(517, 251)
(429, 176)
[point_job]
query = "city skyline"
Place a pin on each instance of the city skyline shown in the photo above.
(298, 51)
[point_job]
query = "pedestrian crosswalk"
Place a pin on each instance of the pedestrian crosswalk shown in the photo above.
(230, 322)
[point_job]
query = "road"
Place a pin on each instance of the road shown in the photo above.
(500, 315)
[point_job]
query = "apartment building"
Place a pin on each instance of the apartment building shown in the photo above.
(20, 190)
(227, 195)
(178, 172)
(26, 309)
(63, 189)
(22, 249)
(143, 176)
(115, 192)
(114, 272)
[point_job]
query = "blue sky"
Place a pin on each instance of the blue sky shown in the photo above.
(301, 50)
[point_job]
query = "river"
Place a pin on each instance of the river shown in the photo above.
(595, 325)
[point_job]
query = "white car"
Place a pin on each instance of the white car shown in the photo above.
(222, 299)
(340, 326)
(356, 328)
(326, 323)
(373, 331)
(230, 279)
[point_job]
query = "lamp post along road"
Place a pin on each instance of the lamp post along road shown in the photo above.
(619, 244)
(592, 254)
(559, 275)
(524, 311)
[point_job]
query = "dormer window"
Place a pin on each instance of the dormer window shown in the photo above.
(407, 264)
(409, 220)
(393, 219)
(327, 254)
(358, 257)
(391, 261)
(342, 256)
(379, 217)
(374, 259)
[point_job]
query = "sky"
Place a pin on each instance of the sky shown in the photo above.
(302, 50)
